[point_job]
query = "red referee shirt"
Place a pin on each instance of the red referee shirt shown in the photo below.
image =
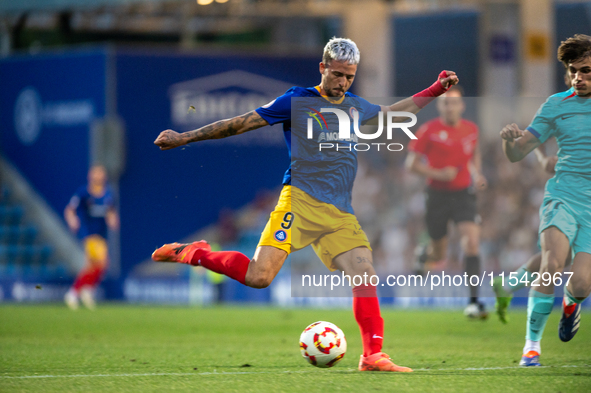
(444, 146)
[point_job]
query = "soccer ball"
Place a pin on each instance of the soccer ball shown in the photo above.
(323, 344)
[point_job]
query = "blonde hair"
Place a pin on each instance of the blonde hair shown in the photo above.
(341, 49)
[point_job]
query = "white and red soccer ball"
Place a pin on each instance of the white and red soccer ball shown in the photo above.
(323, 344)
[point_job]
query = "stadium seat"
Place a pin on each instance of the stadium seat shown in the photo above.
(10, 215)
(21, 253)
(22, 235)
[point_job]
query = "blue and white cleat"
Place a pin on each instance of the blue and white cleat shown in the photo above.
(569, 326)
(530, 359)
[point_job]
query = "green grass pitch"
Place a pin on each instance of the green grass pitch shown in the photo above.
(119, 348)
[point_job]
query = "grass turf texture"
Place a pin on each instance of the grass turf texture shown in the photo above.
(117, 348)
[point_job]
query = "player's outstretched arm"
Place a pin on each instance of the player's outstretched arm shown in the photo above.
(418, 101)
(517, 143)
(170, 139)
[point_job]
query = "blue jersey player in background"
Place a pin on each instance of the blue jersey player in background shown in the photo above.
(565, 214)
(314, 207)
(90, 213)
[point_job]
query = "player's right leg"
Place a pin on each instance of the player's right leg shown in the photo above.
(273, 248)
(437, 215)
(256, 273)
(555, 248)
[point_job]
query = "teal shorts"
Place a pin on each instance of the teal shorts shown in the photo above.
(568, 219)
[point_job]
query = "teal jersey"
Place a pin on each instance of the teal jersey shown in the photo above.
(567, 117)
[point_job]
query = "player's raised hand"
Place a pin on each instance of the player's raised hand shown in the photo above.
(448, 79)
(169, 139)
(511, 132)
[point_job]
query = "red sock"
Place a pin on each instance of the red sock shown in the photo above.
(367, 314)
(233, 264)
(88, 277)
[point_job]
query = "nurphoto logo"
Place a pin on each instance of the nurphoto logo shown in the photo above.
(328, 139)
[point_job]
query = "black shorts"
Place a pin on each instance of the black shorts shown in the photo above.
(443, 206)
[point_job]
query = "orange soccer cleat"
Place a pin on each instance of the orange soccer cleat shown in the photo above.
(179, 252)
(380, 362)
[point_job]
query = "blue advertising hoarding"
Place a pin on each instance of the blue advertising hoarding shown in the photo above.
(47, 105)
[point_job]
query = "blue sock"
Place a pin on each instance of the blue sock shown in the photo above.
(539, 306)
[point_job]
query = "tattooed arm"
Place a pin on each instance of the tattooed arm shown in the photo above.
(170, 139)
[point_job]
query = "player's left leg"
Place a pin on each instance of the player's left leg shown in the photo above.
(366, 307)
(577, 290)
(464, 213)
(470, 243)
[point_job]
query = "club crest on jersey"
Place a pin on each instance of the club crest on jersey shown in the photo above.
(280, 235)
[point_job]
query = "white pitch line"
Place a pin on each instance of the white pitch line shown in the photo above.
(495, 368)
(268, 372)
(146, 374)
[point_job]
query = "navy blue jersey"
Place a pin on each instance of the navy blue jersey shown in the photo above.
(327, 174)
(92, 211)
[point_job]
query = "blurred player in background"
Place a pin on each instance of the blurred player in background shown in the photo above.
(447, 154)
(565, 214)
(322, 215)
(90, 213)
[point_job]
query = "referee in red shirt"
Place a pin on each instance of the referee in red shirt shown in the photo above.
(447, 154)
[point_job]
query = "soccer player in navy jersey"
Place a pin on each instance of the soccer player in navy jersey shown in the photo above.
(314, 208)
(90, 213)
(565, 215)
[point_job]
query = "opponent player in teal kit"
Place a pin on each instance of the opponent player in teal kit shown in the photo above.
(565, 214)
(315, 206)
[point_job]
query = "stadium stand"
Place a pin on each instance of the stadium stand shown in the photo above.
(22, 252)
